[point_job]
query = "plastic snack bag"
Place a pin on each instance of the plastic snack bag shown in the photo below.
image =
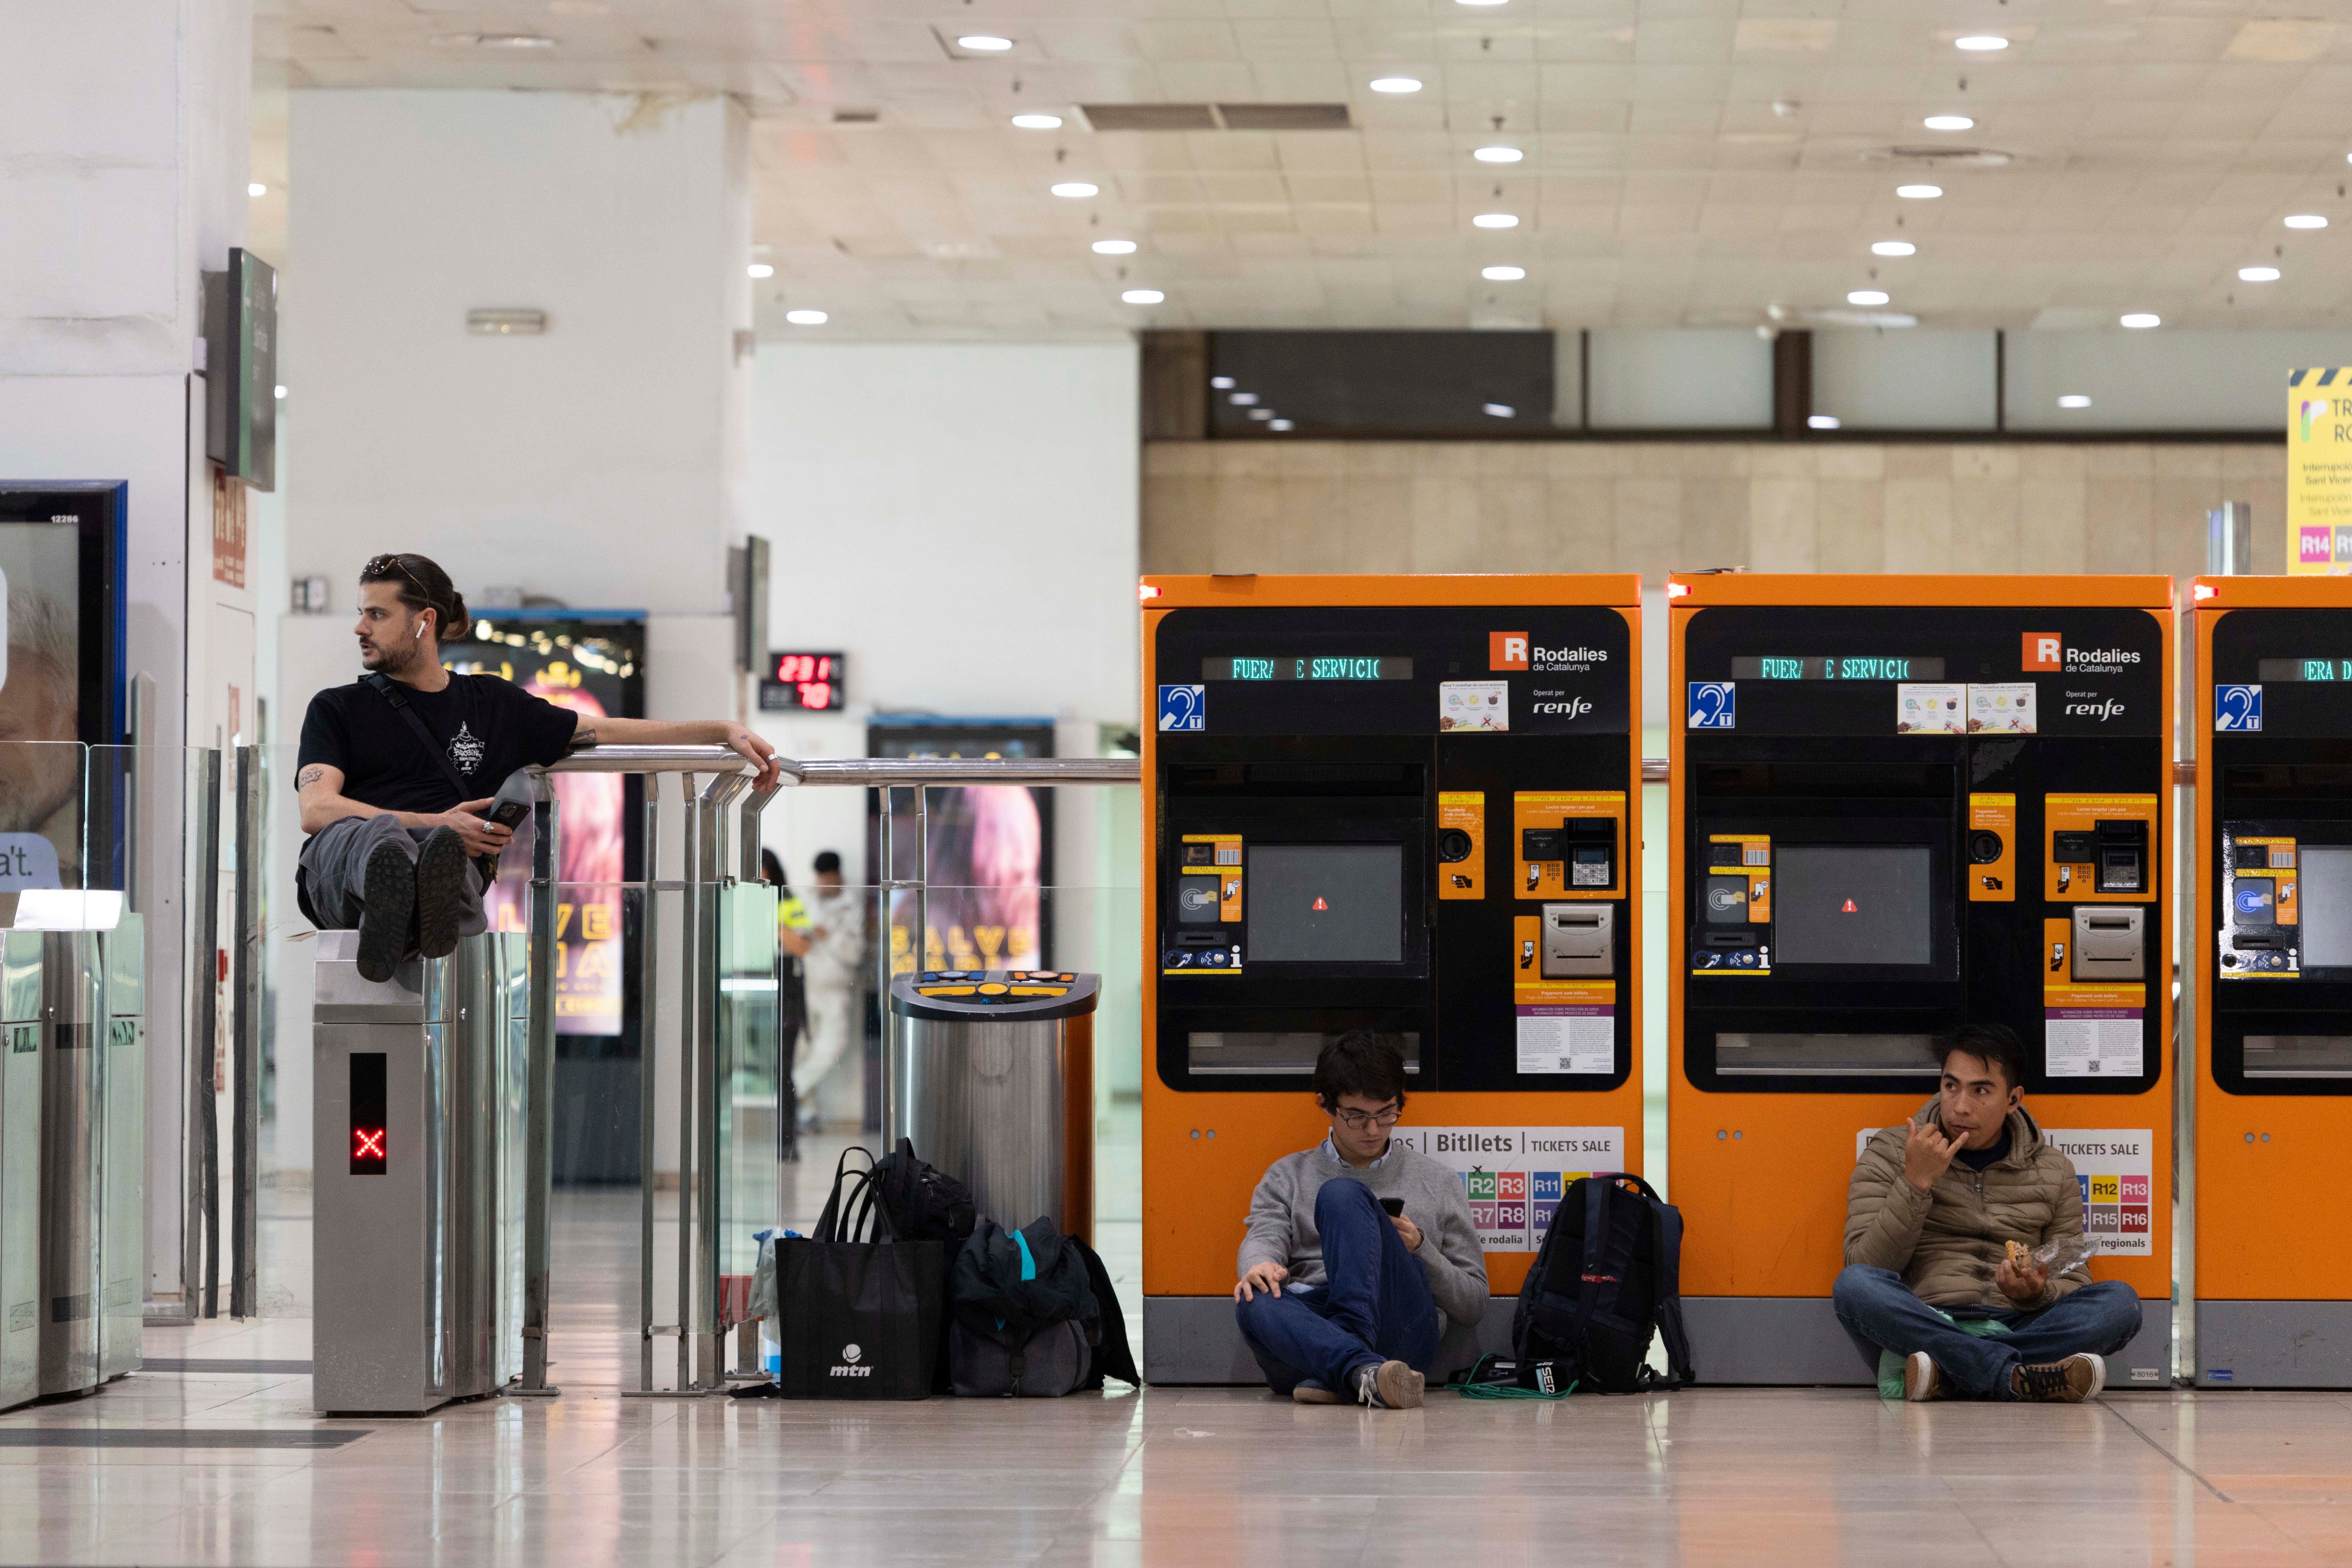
(2067, 1252)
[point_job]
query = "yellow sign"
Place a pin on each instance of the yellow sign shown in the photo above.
(2319, 472)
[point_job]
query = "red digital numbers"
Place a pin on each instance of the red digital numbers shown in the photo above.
(806, 680)
(800, 668)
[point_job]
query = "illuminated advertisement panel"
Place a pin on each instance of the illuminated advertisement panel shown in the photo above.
(988, 852)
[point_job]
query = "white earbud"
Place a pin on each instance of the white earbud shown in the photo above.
(420, 629)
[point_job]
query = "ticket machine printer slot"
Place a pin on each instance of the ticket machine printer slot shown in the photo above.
(1578, 940)
(2110, 943)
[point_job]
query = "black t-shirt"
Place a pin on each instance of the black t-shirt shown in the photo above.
(1985, 1158)
(489, 727)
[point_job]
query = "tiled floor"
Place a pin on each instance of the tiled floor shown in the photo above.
(1170, 1476)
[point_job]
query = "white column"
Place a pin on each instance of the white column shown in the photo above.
(125, 129)
(602, 460)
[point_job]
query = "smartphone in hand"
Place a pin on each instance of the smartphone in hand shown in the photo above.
(1394, 1206)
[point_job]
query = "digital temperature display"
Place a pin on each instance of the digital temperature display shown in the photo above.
(1309, 667)
(808, 681)
(1836, 667)
(2291, 669)
(370, 1104)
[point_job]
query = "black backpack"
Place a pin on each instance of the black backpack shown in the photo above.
(1026, 1318)
(924, 1203)
(1608, 1276)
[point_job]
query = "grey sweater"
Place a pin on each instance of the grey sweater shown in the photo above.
(1282, 1221)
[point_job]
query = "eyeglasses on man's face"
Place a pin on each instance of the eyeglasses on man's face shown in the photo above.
(1359, 1120)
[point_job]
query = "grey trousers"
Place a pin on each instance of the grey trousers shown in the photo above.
(334, 871)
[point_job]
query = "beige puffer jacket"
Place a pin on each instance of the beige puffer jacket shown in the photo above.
(1946, 1241)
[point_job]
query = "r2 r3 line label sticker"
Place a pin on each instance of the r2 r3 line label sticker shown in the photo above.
(1515, 1177)
(2115, 1170)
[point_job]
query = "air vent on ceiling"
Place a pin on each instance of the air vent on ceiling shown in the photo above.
(1947, 157)
(1216, 116)
(855, 116)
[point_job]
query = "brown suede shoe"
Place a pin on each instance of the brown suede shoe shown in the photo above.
(1391, 1386)
(2068, 1381)
(1922, 1379)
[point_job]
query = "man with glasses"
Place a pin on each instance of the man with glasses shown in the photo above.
(400, 772)
(1360, 1251)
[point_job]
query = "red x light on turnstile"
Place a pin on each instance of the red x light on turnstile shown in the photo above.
(369, 1113)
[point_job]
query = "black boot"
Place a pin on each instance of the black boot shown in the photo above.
(390, 904)
(442, 869)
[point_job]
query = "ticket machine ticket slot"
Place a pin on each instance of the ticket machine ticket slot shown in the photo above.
(2110, 943)
(1578, 940)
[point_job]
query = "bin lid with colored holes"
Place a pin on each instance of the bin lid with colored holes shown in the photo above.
(994, 995)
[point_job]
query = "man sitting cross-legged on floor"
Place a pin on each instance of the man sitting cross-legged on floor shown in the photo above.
(1339, 1299)
(1930, 1212)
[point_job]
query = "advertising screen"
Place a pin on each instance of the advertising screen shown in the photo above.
(987, 853)
(592, 664)
(1854, 904)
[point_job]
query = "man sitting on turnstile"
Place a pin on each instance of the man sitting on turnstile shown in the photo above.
(1942, 1217)
(1360, 1249)
(389, 764)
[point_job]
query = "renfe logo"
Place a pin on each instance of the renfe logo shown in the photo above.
(1506, 650)
(2043, 650)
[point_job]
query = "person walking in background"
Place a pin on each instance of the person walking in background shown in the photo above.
(834, 976)
(794, 940)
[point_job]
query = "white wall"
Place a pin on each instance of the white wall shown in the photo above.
(599, 462)
(959, 518)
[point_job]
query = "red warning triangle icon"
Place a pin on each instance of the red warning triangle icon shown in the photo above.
(1321, 905)
(1849, 908)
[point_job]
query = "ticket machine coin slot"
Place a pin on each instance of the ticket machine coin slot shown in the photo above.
(2110, 943)
(1578, 940)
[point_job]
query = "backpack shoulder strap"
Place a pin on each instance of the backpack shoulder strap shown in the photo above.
(389, 689)
(1667, 1270)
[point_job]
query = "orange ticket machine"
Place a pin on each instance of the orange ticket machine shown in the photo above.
(2272, 706)
(1406, 804)
(1899, 803)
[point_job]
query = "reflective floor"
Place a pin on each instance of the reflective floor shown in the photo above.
(1168, 1476)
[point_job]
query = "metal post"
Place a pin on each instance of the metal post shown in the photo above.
(708, 1332)
(882, 980)
(922, 877)
(244, 1040)
(2230, 539)
(539, 1142)
(689, 996)
(649, 962)
(203, 999)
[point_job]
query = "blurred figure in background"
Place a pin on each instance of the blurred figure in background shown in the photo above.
(792, 943)
(832, 976)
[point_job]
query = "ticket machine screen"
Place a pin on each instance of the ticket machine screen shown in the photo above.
(1326, 903)
(1856, 904)
(2325, 895)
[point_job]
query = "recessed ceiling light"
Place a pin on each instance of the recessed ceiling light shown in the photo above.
(760, 269)
(1396, 84)
(256, 189)
(1821, 421)
(1499, 410)
(1503, 274)
(1949, 122)
(1076, 189)
(1261, 412)
(513, 41)
(1981, 43)
(2306, 220)
(1113, 248)
(984, 43)
(1866, 296)
(2139, 321)
(1037, 122)
(1478, 2)
(1222, 382)
(1243, 399)
(2258, 274)
(281, 392)
(806, 318)
(1918, 192)
(1495, 220)
(1285, 424)
(2073, 400)
(1498, 154)
(1142, 296)
(1892, 247)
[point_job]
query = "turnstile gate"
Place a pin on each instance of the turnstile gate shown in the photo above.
(419, 1094)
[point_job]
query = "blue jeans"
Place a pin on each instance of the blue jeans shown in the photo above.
(1374, 1305)
(1880, 1312)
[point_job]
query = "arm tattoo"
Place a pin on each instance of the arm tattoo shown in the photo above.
(309, 776)
(584, 735)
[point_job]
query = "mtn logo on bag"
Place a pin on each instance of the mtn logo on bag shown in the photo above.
(849, 1355)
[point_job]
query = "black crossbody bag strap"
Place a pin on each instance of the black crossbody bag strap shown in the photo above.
(389, 689)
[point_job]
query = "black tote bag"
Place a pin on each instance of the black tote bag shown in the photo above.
(861, 1311)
